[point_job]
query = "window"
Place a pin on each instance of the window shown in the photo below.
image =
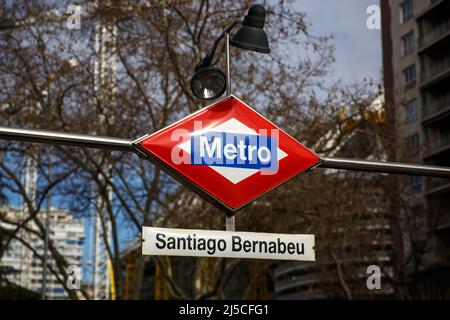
(406, 11)
(416, 183)
(410, 74)
(408, 43)
(58, 290)
(412, 112)
(413, 143)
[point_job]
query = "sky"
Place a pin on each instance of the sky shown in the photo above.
(358, 49)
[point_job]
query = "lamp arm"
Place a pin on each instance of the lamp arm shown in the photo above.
(208, 59)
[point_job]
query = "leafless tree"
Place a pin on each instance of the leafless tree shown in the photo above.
(49, 78)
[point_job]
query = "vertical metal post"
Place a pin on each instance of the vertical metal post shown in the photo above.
(230, 223)
(227, 38)
(230, 220)
(46, 238)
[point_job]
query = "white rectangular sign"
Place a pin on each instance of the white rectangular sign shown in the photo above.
(213, 243)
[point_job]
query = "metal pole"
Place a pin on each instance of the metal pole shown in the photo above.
(230, 223)
(385, 167)
(88, 141)
(63, 138)
(220, 37)
(227, 42)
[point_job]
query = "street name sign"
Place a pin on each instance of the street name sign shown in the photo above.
(228, 153)
(227, 244)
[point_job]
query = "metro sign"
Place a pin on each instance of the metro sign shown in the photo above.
(228, 153)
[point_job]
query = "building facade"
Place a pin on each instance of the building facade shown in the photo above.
(416, 63)
(22, 267)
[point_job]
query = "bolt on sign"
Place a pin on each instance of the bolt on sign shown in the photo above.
(226, 244)
(227, 153)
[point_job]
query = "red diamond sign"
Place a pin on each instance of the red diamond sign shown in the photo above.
(228, 153)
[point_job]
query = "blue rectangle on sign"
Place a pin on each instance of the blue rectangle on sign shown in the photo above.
(234, 150)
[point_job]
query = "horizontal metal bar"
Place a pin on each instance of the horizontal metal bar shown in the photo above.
(89, 141)
(385, 167)
(63, 138)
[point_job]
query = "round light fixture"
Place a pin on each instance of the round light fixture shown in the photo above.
(208, 83)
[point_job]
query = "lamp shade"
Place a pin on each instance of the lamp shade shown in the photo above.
(208, 83)
(251, 35)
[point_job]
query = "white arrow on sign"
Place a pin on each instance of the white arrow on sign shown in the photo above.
(226, 244)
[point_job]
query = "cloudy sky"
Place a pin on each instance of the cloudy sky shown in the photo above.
(358, 49)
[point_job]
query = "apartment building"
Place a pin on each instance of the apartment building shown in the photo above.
(416, 63)
(21, 266)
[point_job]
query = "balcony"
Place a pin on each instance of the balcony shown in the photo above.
(443, 222)
(290, 267)
(439, 32)
(316, 294)
(301, 281)
(433, 6)
(435, 71)
(436, 107)
(437, 186)
(436, 259)
(437, 145)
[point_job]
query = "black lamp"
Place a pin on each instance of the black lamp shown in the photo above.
(251, 35)
(209, 83)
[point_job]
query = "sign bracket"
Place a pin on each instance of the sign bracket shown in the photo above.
(230, 222)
